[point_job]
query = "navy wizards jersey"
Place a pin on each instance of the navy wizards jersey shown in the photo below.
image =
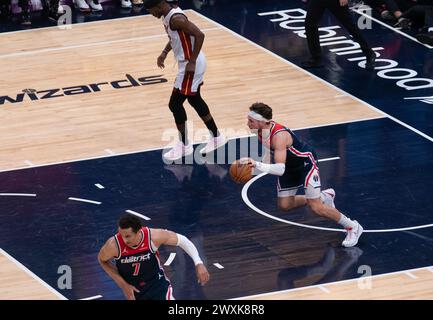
(299, 154)
(139, 265)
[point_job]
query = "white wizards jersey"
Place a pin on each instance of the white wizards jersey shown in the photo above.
(182, 43)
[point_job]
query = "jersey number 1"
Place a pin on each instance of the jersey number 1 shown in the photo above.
(137, 269)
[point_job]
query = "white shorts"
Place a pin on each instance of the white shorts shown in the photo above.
(188, 84)
(311, 186)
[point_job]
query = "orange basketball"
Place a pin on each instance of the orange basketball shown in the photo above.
(240, 173)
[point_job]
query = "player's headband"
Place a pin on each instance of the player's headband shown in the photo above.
(256, 116)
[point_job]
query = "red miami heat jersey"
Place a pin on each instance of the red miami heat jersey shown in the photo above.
(141, 264)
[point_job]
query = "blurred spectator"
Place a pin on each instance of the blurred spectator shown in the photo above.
(25, 12)
(395, 8)
(4, 9)
(404, 12)
(422, 15)
(53, 8)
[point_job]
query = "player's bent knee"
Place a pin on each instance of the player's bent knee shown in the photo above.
(199, 105)
(286, 205)
(283, 207)
(316, 207)
(178, 111)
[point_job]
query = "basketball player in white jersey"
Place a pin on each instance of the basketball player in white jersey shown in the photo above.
(186, 40)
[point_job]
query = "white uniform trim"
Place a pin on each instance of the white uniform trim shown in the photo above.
(182, 45)
(189, 248)
(276, 169)
(256, 116)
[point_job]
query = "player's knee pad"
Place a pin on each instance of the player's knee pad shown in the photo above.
(199, 105)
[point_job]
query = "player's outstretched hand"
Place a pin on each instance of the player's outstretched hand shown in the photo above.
(202, 274)
(161, 59)
(248, 161)
(128, 291)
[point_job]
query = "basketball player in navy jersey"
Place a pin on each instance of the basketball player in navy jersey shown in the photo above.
(295, 164)
(186, 41)
(138, 270)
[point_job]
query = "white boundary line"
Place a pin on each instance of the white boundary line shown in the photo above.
(29, 163)
(110, 152)
(330, 283)
(320, 79)
(92, 298)
(84, 200)
(247, 201)
(329, 159)
(78, 46)
(18, 194)
(324, 289)
(342, 122)
(196, 143)
(31, 274)
(138, 215)
(410, 275)
(80, 24)
(170, 259)
(392, 28)
(75, 24)
(219, 266)
(153, 149)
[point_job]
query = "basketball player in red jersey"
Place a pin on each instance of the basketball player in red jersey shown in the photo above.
(295, 163)
(138, 270)
(186, 40)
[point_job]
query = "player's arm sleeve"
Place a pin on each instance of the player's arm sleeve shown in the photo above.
(276, 169)
(280, 154)
(189, 248)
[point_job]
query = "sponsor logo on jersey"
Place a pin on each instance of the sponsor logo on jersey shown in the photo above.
(132, 259)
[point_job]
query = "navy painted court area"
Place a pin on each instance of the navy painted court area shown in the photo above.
(383, 178)
(402, 84)
(379, 181)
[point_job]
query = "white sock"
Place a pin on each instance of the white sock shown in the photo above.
(346, 222)
(430, 29)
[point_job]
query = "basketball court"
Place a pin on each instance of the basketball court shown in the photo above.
(82, 133)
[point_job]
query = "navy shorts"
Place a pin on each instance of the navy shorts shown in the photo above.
(306, 176)
(158, 289)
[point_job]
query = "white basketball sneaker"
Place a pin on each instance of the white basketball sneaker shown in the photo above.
(94, 5)
(178, 151)
(328, 197)
(60, 9)
(82, 5)
(353, 235)
(213, 144)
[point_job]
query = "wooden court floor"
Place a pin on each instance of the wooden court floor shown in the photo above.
(80, 125)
